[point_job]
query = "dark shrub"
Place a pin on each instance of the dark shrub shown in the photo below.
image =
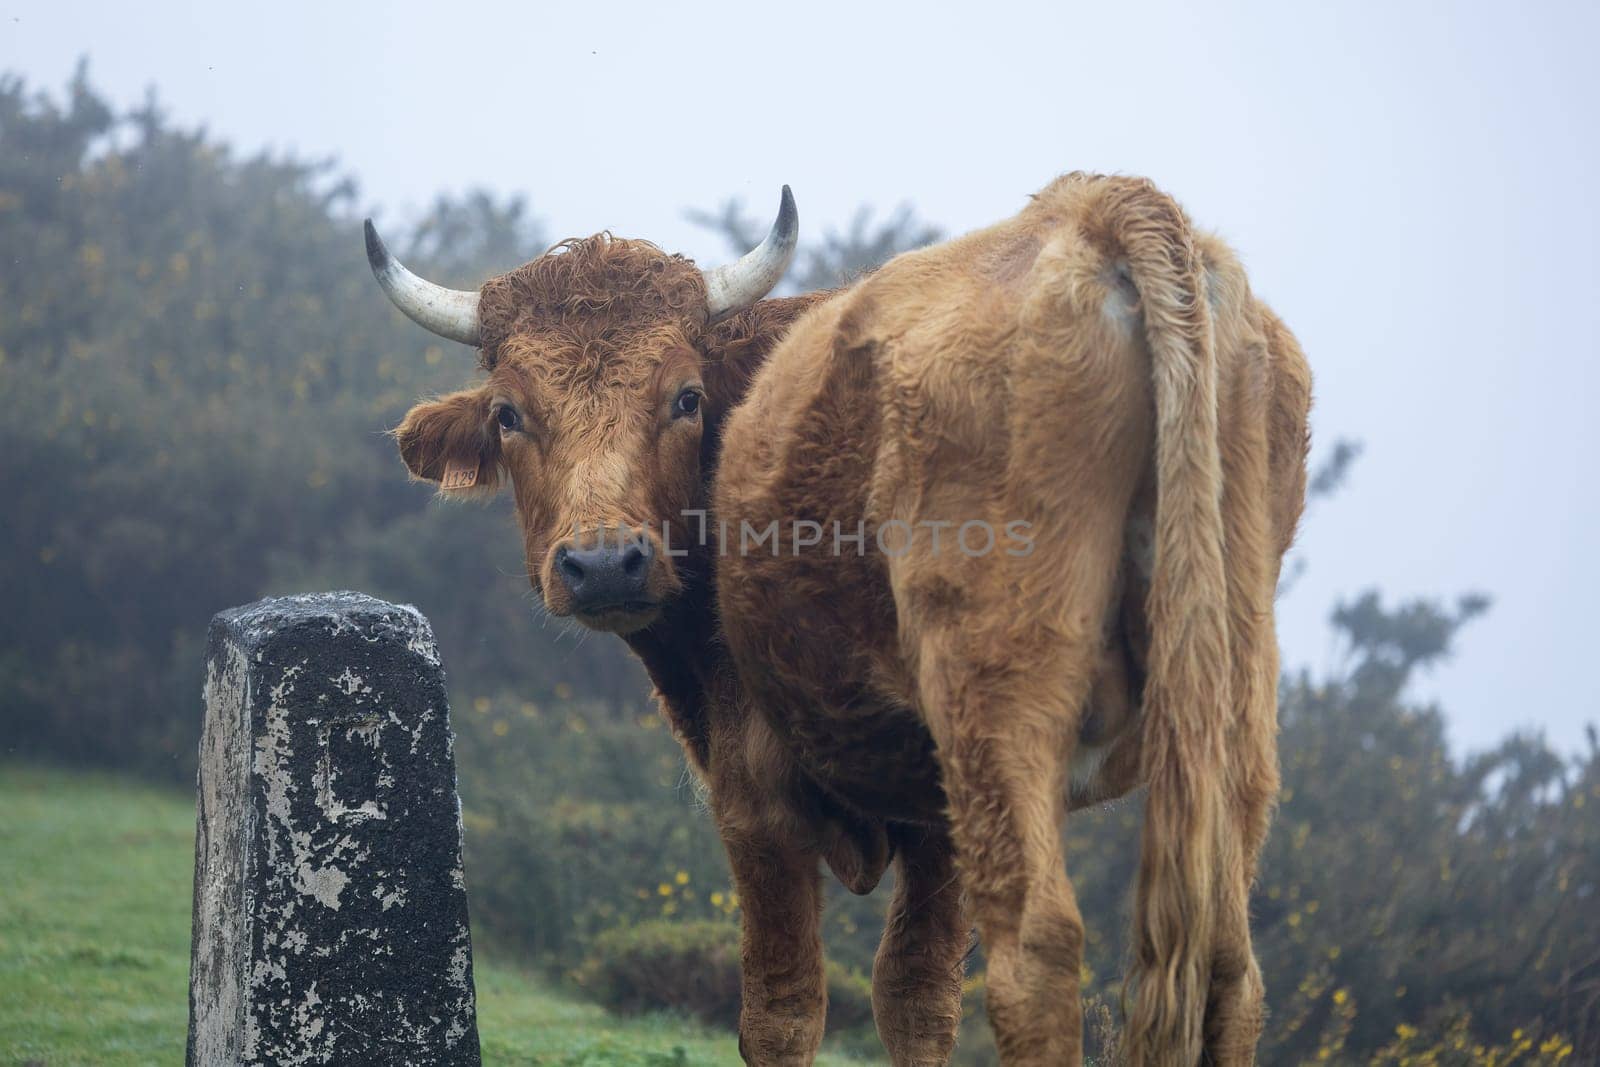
(693, 967)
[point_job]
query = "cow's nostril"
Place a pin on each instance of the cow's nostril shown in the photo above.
(570, 568)
(635, 558)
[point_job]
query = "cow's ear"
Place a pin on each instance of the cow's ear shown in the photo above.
(453, 441)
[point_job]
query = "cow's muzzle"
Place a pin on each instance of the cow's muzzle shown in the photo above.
(608, 584)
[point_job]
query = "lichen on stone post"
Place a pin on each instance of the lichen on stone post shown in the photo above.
(330, 914)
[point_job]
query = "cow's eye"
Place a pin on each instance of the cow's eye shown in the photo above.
(687, 404)
(507, 417)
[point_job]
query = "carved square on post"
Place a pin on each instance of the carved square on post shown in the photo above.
(353, 772)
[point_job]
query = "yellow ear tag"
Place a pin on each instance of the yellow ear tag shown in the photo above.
(459, 475)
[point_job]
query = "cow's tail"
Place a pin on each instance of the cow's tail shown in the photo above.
(1186, 699)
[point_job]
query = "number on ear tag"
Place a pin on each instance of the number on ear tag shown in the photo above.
(459, 476)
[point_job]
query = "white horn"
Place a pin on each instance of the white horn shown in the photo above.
(451, 313)
(738, 285)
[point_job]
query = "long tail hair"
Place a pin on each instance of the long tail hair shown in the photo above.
(1186, 695)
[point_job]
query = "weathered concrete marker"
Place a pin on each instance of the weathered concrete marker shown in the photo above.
(330, 913)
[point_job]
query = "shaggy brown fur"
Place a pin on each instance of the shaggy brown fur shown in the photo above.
(1094, 369)
(1088, 367)
(583, 289)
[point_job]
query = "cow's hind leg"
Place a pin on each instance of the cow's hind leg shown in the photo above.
(1235, 1006)
(916, 977)
(1235, 1012)
(1004, 638)
(1005, 722)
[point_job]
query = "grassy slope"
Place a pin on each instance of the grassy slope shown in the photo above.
(95, 885)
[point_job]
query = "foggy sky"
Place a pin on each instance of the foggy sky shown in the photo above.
(1412, 187)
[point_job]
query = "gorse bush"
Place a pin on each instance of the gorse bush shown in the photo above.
(693, 967)
(576, 824)
(1453, 1044)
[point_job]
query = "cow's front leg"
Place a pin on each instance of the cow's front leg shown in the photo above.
(916, 977)
(785, 996)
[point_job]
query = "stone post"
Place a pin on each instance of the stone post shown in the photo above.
(330, 912)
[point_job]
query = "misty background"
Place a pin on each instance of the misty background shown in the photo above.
(1411, 186)
(197, 370)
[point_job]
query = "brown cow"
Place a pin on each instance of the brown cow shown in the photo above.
(592, 352)
(1075, 445)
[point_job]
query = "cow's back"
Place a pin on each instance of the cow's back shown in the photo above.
(914, 396)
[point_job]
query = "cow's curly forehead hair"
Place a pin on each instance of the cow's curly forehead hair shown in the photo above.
(586, 288)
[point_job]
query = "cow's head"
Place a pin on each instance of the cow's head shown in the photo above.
(605, 380)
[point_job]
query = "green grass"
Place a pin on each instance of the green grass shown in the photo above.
(95, 885)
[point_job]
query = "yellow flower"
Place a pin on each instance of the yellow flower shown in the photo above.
(1340, 996)
(664, 889)
(716, 900)
(501, 727)
(682, 878)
